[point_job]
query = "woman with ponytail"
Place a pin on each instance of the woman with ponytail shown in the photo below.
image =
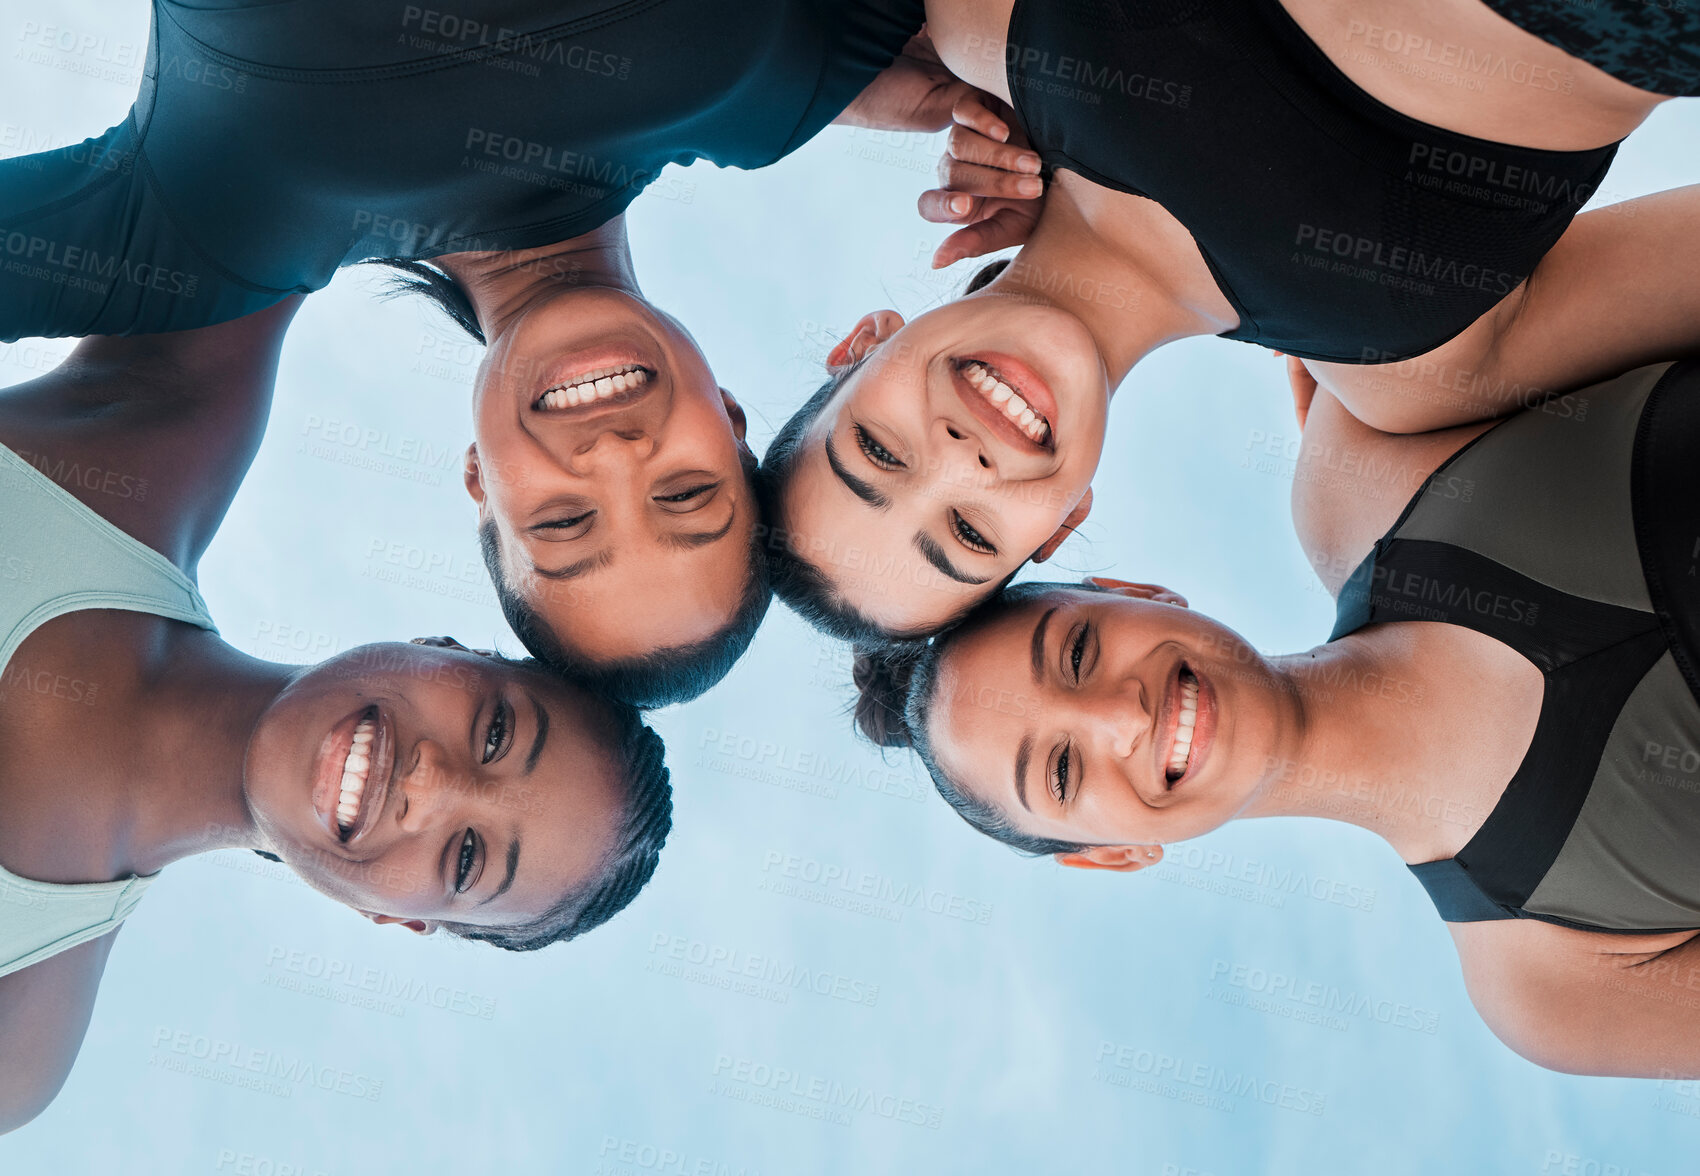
(1512, 640)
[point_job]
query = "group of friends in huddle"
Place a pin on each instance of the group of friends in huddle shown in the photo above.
(1164, 169)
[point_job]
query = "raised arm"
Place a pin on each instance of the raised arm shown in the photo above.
(154, 432)
(1619, 290)
(44, 1013)
(1584, 1003)
(1350, 481)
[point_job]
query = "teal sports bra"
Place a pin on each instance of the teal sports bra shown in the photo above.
(57, 556)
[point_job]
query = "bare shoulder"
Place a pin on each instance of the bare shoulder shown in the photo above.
(1352, 481)
(1587, 1002)
(44, 1014)
(153, 433)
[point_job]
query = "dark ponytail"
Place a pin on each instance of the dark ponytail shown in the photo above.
(437, 287)
(985, 276)
(883, 676)
(895, 688)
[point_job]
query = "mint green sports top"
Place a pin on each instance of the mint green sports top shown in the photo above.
(57, 556)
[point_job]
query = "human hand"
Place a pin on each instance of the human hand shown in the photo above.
(1303, 385)
(914, 93)
(989, 183)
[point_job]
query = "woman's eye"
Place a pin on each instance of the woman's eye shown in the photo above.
(687, 495)
(1064, 774)
(463, 867)
(496, 735)
(1077, 652)
(875, 452)
(969, 537)
(565, 524)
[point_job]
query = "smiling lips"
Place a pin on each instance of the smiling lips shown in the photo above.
(604, 385)
(354, 772)
(351, 776)
(1007, 401)
(1186, 723)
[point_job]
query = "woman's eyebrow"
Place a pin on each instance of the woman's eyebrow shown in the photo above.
(574, 570)
(1037, 650)
(536, 751)
(935, 555)
(513, 864)
(691, 540)
(859, 488)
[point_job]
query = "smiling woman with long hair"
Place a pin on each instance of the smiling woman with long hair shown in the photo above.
(1241, 169)
(1514, 671)
(422, 783)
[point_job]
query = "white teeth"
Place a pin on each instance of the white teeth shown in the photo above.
(1186, 725)
(594, 386)
(354, 772)
(1007, 400)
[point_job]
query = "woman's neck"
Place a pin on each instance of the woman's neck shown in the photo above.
(1132, 299)
(502, 286)
(189, 731)
(1353, 750)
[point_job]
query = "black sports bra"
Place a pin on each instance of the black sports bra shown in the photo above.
(1337, 227)
(1569, 532)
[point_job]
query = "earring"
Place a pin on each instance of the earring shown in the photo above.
(1150, 853)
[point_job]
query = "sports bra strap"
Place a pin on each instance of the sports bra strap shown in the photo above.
(1456, 895)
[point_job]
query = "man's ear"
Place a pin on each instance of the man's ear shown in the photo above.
(474, 476)
(869, 332)
(1154, 592)
(735, 412)
(1112, 857)
(417, 926)
(1069, 525)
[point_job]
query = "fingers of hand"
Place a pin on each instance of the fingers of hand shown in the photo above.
(1003, 228)
(972, 145)
(972, 110)
(949, 208)
(1304, 388)
(978, 180)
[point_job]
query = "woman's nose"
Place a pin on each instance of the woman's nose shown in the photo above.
(1120, 717)
(963, 450)
(430, 787)
(630, 443)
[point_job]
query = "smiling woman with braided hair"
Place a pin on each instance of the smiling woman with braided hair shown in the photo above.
(419, 783)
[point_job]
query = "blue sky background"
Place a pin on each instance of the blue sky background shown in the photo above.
(923, 1000)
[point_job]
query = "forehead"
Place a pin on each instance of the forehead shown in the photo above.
(869, 556)
(565, 815)
(986, 697)
(984, 685)
(650, 596)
